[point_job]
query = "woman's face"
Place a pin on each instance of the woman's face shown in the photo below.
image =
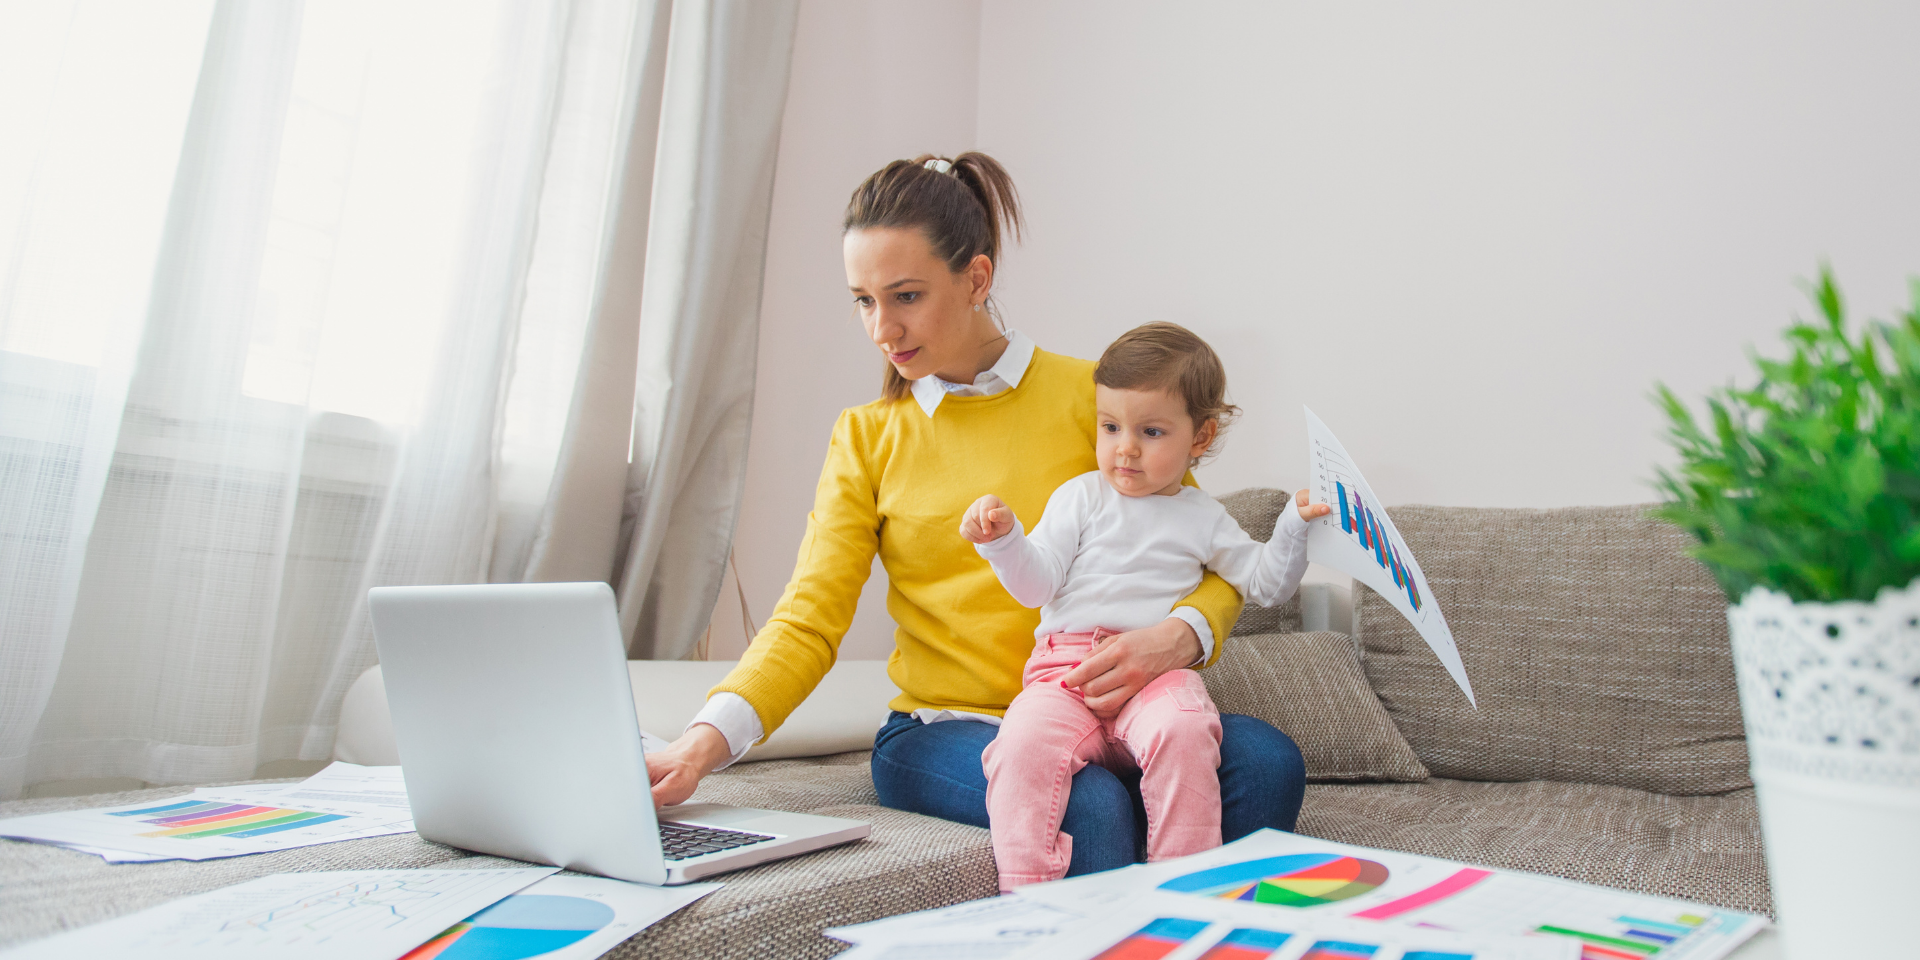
(920, 314)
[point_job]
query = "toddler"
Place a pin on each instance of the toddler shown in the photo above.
(1114, 551)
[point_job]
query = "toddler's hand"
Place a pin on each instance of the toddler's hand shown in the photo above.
(1309, 511)
(987, 520)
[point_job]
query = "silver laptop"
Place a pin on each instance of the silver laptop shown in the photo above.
(514, 717)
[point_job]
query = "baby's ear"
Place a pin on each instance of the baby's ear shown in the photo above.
(1203, 436)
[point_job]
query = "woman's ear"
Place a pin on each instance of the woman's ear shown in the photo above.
(1203, 437)
(980, 278)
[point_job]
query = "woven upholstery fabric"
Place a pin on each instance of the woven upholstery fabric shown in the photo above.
(1257, 510)
(774, 910)
(1597, 649)
(1311, 687)
(1705, 849)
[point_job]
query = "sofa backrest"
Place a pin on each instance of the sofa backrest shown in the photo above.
(1257, 510)
(1597, 649)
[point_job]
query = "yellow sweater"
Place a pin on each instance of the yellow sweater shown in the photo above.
(897, 481)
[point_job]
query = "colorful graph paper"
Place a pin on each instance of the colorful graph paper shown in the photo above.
(195, 820)
(521, 926)
(1247, 943)
(1296, 880)
(1340, 950)
(1155, 940)
(1363, 526)
(1630, 938)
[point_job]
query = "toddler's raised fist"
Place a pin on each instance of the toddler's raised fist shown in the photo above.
(987, 520)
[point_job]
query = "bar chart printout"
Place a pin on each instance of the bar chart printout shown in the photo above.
(212, 822)
(1155, 940)
(1359, 539)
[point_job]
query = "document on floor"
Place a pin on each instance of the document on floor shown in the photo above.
(339, 915)
(560, 918)
(1300, 877)
(1359, 540)
(343, 802)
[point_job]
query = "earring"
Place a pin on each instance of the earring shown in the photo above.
(978, 307)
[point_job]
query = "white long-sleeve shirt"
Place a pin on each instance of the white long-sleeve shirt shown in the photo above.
(1099, 558)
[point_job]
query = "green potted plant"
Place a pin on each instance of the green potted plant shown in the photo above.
(1804, 493)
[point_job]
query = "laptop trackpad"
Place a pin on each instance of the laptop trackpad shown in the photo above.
(715, 815)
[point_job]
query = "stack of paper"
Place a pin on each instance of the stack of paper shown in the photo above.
(1287, 897)
(343, 802)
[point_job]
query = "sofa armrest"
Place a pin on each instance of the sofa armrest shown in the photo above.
(842, 715)
(1327, 607)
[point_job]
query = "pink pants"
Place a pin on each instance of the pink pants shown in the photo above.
(1169, 731)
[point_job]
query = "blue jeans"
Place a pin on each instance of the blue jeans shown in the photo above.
(934, 768)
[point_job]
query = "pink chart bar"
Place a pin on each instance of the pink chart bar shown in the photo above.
(1414, 901)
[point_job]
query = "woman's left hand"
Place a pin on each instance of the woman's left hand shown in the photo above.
(1126, 662)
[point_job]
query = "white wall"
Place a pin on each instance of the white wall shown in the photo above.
(1470, 235)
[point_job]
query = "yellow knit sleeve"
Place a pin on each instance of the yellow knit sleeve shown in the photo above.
(1216, 599)
(801, 639)
(1220, 603)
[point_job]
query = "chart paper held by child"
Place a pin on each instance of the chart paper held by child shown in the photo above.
(1358, 539)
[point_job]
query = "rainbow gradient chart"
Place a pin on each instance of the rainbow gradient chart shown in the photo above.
(1155, 940)
(193, 820)
(1359, 539)
(1295, 880)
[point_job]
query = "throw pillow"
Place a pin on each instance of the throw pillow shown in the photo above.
(1311, 687)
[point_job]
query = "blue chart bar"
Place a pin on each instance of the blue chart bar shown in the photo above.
(1370, 533)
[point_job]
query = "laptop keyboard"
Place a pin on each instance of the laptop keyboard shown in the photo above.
(684, 841)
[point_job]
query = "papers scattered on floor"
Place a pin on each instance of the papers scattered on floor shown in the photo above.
(343, 802)
(341, 915)
(562, 918)
(1287, 897)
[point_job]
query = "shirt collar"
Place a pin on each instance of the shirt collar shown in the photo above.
(1012, 365)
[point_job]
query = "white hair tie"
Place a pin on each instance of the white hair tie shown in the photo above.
(938, 165)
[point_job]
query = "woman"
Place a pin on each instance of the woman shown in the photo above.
(966, 408)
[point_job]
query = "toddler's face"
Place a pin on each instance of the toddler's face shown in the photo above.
(1144, 440)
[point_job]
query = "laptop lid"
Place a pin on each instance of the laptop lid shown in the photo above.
(513, 714)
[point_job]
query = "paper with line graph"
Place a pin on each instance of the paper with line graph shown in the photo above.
(1358, 539)
(335, 915)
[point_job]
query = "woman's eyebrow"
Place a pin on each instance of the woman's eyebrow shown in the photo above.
(902, 283)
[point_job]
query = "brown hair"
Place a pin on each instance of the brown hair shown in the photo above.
(961, 213)
(1168, 356)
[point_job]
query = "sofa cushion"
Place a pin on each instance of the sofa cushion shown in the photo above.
(1598, 651)
(1705, 849)
(909, 863)
(1311, 687)
(1257, 510)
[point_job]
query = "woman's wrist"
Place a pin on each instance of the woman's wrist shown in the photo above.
(1183, 644)
(704, 747)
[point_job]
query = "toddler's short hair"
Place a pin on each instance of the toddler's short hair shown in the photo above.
(1168, 356)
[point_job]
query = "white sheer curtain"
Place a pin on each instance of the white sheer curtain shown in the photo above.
(296, 300)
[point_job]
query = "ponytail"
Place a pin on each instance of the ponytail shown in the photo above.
(960, 204)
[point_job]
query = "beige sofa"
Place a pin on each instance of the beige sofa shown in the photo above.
(1606, 747)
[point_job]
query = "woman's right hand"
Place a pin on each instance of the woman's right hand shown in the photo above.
(677, 770)
(987, 520)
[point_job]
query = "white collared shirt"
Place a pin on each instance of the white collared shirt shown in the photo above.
(736, 719)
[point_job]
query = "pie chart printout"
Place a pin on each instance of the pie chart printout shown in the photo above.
(521, 926)
(1296, 880)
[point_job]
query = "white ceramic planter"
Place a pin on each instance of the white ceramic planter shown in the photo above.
(1830, 693)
